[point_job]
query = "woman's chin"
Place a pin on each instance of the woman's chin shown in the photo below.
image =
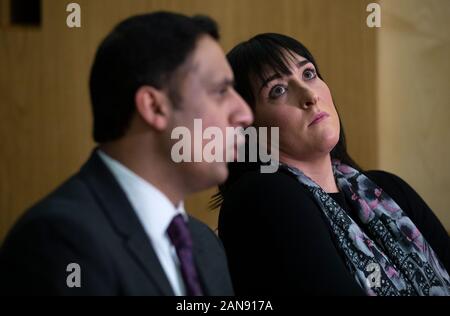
(327, 144)
(330, 138)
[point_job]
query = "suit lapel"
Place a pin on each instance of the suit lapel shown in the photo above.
(201, 260)
(122, 216)
(138, 244)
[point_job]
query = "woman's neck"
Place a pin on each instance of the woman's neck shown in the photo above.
(319, 170)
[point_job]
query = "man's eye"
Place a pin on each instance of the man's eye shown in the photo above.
(277, 91)
(309, 74)
(223, 91)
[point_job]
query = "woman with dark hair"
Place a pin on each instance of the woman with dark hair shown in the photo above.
(320, 224)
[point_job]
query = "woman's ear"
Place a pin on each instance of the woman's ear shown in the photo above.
(153, 107)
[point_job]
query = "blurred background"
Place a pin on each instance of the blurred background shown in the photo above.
(390, 84)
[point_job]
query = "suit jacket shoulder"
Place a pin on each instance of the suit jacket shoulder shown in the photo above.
(89, 221)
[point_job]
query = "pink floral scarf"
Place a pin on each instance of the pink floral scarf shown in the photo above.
(396, 259)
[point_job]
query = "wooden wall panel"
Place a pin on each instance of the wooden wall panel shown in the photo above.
(414, 97)
(4, 13)
(45, 115)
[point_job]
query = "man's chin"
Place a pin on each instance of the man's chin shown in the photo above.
(218, 173)
(207, 178)
(221, 172)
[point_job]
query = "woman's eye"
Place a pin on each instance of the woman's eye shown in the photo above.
(309, 74)
(277, 91)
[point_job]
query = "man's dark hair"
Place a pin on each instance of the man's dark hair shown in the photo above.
(142, 50)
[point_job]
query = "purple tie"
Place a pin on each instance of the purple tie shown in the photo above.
(181, 239)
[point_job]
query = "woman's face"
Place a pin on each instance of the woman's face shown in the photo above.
(300, 104)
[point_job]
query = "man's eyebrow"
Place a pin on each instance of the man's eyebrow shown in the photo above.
(277, 75)
(226, 82)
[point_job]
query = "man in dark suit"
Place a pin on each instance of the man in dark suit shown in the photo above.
(118, 226)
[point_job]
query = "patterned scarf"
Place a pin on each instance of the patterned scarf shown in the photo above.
(397, 260)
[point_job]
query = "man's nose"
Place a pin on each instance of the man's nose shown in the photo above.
(243, 115)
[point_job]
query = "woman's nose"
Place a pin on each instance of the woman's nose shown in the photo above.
(307, 97)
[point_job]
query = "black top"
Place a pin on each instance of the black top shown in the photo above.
(278, 241)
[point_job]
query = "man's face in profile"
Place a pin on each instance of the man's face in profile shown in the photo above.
(205, 90)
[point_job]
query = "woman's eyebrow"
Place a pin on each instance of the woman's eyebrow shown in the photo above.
(277, 75)
(269, 79)
(302, 63)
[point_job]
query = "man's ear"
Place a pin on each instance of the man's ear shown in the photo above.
(153, 106)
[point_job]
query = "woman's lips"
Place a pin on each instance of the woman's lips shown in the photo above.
(318, 118)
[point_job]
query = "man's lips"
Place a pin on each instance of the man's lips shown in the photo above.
(318, 118)
(231, 152)
(235, 149)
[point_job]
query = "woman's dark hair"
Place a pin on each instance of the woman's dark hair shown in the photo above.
(258, 58)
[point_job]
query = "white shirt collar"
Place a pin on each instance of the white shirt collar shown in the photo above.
(154, 209)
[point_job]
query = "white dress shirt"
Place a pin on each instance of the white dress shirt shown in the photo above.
(155, 212)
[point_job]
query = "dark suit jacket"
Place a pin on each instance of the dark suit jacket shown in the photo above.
(89, 221)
